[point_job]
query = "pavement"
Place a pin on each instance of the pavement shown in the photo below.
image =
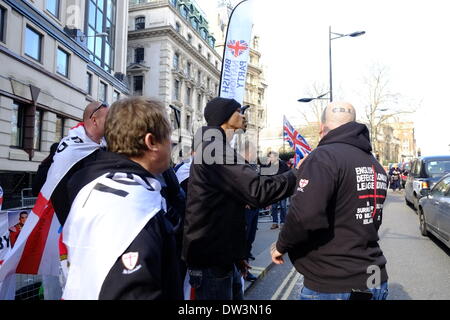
(261, 248)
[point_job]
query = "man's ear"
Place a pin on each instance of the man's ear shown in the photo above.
(150, 142)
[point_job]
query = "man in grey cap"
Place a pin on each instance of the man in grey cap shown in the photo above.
(220, 185)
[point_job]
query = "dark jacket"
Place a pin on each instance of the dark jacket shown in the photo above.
(214, 232)
(159, 277)
(331, 229)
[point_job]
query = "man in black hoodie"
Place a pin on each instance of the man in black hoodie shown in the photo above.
(221, 184)
(331, 230)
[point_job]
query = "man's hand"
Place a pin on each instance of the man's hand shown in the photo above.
(277, 257)
(243, 267)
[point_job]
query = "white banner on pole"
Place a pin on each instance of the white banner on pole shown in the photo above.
(237, 52)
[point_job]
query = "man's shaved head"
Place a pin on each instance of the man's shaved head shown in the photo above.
(94, 117)
(335, 115)
(89, 109)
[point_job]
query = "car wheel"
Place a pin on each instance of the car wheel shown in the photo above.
(423, 225)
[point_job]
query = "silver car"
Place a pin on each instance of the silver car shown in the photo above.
(434, 211)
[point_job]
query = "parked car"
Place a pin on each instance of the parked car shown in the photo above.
(434, 211)
(405, 167)
(423, 175)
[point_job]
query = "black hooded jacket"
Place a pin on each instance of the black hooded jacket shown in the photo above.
(159, 277)
(331, 229)
(219, 189)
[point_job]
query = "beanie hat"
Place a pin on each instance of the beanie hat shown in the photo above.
(219, 110)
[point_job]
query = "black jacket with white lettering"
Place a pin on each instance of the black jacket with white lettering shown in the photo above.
(159, 277)
(331, 229)
(219, 189)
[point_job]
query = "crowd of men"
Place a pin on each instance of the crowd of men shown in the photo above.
(135, 228)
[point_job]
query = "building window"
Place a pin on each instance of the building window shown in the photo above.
(189, 38)
(176, 90)
(59, 132)
(184, 11)
(200, 48)
(89, 83)
(199, 102)
(260, 114)
(101, 18)
(2, 24)
(138, 85)
(188, 96)
(209, 57)
(194, 23)
(203, 33)
(177, 27)
(33, 44)
(217, 64)
(176, 61)
(188, 69)
(216, 87)
(116, 96)
(53, 7)
(17, 120)
(62, 62)
(199, 76)
(174, 3)
(102, 92)
(140, 23)
(208, 80)
(37, 130)
(139, 55)
(188, 122)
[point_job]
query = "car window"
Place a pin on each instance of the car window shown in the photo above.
(413, 168)
(418, 167)
(437, 168)
(442, 188)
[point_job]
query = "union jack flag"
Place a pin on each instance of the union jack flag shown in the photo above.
(237, 47)
(295, 140)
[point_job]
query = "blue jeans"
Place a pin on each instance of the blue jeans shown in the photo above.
(251, 219)
(274, 211)
(378, 294)
(216, 283)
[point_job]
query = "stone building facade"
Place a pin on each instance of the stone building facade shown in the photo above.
(172, 57)
(55, 57)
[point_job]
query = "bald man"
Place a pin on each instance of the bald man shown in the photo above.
(331, 229)
(94, 117)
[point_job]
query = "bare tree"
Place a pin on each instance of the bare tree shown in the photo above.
(383, 106)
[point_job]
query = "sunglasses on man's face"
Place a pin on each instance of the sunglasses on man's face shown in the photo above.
(103, 105)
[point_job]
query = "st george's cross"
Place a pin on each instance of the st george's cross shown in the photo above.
(295, 140)
(237, 47)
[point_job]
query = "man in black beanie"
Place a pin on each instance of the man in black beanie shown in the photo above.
(220, 185)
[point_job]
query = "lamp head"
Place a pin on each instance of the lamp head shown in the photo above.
(356, 34)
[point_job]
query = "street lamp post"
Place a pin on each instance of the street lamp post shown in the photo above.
(337, 36)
